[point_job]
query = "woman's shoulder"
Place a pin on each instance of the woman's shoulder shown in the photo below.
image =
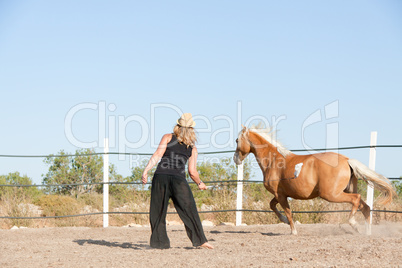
(167, 137)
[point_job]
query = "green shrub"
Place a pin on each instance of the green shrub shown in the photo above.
(16, 179)
(16, 201)
(398, 187)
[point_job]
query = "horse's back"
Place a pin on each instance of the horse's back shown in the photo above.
(320, 162)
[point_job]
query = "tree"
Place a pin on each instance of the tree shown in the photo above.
(126, 191)
(16, 179)
(223, 170)
(398, 187)
(84, 168)
(136, 175)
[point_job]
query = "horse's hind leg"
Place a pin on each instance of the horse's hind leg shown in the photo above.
(356, 203)
(365, 209)
(353, 199)
(285, 205)
(281, 217)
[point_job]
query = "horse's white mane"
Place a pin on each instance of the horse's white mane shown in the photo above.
(270, 136)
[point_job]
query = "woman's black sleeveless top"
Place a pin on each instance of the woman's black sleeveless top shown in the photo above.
(174, 159)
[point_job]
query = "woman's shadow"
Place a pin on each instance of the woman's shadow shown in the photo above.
(141, 246)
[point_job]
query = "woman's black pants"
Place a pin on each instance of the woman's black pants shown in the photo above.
(163, 188)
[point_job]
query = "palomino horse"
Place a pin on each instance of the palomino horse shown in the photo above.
(330, 176)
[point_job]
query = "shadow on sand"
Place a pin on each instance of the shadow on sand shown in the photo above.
(82, 242)
(105, 243)
(244, 232)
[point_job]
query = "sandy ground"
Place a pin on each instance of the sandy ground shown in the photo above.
(317, 245)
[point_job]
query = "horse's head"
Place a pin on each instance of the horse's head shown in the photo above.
(243, 146)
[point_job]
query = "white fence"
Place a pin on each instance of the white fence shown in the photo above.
(239, 200)
(239, 192)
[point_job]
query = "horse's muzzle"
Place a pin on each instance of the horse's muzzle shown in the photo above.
(236, 159)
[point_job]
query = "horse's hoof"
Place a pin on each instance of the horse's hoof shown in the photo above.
(368, 229)
(353, 223)
(354, 227)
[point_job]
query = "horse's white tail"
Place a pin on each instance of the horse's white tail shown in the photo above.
(370, 176)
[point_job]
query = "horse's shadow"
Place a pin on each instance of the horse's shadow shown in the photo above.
(271, 234)
(244, 232)
(126, 245)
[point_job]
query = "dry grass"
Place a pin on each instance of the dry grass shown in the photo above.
(17, 204)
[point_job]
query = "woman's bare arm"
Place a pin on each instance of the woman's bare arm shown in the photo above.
(192, 169)
(156, 156)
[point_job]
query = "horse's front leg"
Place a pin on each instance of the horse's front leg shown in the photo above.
(283, 200)
(281, 217)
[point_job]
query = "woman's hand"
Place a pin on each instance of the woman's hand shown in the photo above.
(144, 177)
(202, 186)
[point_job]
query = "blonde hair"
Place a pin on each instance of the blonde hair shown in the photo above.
(185, 135)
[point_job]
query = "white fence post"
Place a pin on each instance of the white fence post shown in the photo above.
(106, 185)
(370, 186)
(239, 201)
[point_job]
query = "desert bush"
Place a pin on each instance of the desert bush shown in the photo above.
(94, 200)
(15, 178)
(256, 197)
(16, 201)
(398, 187)
(59, 205)
(135, 201)
(316, 204)
(217, 199)
(224, 199)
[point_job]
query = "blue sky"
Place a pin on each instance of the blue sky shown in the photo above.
(271, 58)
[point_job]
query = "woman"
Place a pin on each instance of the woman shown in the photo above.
(169, 181)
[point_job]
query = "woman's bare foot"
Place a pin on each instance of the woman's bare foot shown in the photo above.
(207, 246)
